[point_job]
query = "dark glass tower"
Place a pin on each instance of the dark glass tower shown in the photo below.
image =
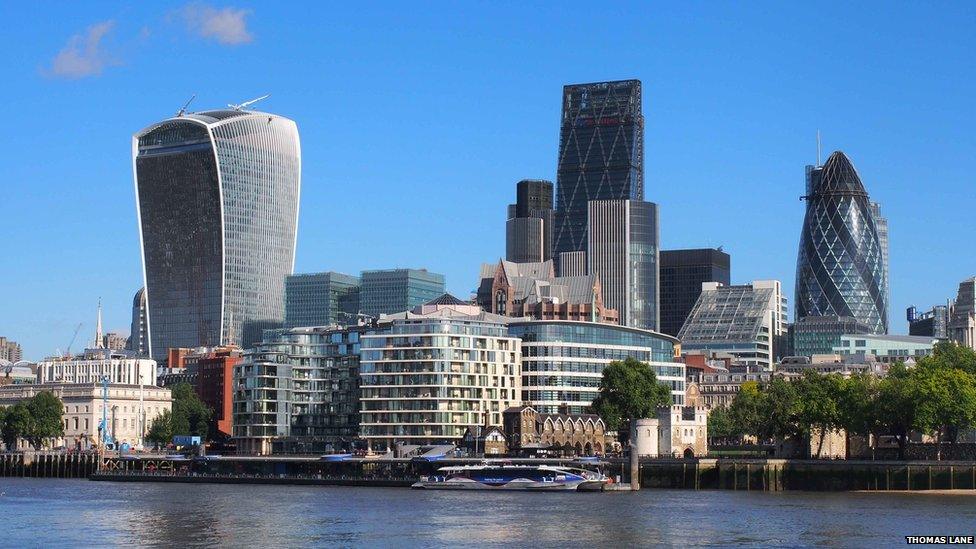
(601, 155)
(682, 274)
(840, 268)
(528, 231)
(217, 198)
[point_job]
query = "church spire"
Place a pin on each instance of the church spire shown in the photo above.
(98, 328)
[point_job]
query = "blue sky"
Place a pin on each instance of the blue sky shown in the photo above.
(416, 124)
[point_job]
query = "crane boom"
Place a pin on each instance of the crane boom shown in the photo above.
(247, 104)
(74, 336)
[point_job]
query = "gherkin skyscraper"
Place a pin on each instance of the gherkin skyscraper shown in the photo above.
(841, 266)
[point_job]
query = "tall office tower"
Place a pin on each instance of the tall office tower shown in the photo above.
(962, 320)
(217, 197)
(321, 299)
(881, 223)
(933, 323)
(138, 338)
(528, 231)
(682, 274)
(840, 267)
(396, 290)
(747, 321)
(601, 155)
(623, 253)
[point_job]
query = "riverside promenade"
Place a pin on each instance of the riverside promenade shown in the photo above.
(691, 474)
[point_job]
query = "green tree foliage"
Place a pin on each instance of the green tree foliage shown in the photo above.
(937, 397)
(46, 412)
(190, 415)
(629, 390)
(721, 425)
(16, 423)
(161, 430)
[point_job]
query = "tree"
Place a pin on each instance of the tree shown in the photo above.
(629, 390)
(817, 407)
(161, 430)
(190, 415)
(16, 424)
(46, 414)
(946, 402)
(720, 424)
(897, 405)
(746, 412)
(857, 406)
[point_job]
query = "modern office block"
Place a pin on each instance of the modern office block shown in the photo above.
(138, 335)
(887, 349)
(744, 321)
(563, 361)
(818, 335)
(528, 231)
(601, 155)
(572, 264)
(440, 369)
(682, 273)
(934, 323)
(321, 299)
(841, 266)
(217, 198)
(395, 290)
(623, 252)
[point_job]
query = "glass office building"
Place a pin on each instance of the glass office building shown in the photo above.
(563, 361)
(623, 253)
(840, 268)
(528, 231)
(601, 155)
(395, 290)
(818, 335)
(321, 299)
(217, 198)
(681, 275)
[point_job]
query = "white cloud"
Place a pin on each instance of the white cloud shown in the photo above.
(227, 26)
(83, 55)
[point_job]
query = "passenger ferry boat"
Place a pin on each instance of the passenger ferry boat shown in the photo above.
(513, 477)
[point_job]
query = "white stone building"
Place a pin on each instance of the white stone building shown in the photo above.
(95, 364)
(677, 431)
(128, 411)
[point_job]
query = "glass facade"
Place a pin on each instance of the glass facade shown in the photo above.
(217, 196)
(563, 361)
(681, 275)
(840, 268)
(817, 335)
(601, 154)
(623, 252)
(301, 383)
(396, 290)
(528, 231)
(321, 299)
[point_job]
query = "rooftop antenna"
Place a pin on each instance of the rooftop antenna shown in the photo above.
(247, 104)
(182, 110)
(818, 148)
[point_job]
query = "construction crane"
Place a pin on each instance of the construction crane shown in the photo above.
(247, 104)
(67, 352)
(182, 110)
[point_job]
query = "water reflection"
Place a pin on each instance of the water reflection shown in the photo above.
(82, 513)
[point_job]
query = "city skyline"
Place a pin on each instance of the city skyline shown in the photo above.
(751, 147)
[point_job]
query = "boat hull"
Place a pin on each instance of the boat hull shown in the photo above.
(528, 486)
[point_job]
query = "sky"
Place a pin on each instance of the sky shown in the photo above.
(416, 124)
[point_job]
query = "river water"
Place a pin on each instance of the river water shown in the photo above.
(49, 512)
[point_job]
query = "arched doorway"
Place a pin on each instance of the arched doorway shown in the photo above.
(689, 453)
(588, 449)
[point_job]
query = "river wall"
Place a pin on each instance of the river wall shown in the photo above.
(815, 475)
(48, 465)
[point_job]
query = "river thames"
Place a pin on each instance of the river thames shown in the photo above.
(48, 512)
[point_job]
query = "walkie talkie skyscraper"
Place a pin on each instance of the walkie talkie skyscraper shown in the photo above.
(217, 197)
